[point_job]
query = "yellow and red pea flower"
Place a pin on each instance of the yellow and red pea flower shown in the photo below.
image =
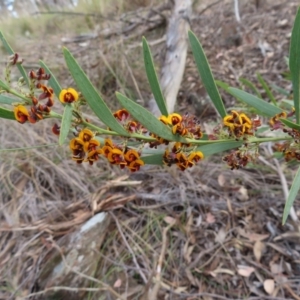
(47, 91)
(238, 124)
(275, 122)
(179, 157)
(21, 113)
(122, 114)
(135, 165)
(196, 156)
(86, 135)
(69, 95)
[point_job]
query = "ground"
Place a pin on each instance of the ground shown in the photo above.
(206, 233)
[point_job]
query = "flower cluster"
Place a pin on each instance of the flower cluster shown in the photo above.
(239, 124)
(182, 156)
(37, 109)
(186, 126)
(237, 159)
(122, 156)
(85, 147)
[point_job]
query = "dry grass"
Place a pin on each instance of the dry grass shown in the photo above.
(191, 235)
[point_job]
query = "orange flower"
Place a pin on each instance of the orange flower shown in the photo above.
(21, 113)
(78, 156)
(68, 95)
(135, 165)
(131, 155)
(91, 145)
(115, 156)
(47, 91)
(121, 114)
(76, 144)
(86, 135)
(196, 156)
(174, 119)
(94, 155)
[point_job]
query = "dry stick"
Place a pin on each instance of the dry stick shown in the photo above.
(129, 248)
(174, 63)
(236, 11)
(153, 294)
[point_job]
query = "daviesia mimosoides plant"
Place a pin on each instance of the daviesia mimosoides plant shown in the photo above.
(132, 136)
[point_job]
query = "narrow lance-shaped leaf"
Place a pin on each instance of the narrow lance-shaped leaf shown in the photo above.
(206, 74)
(155, 159)
(266, 88)
(91, 95)
(53, 81)
(292, 196)
(294, 64)
(65, 123)
(7, 114)
(250, 85)
(11, 52)
(7, 100)
(4, 86)
(290, 124)
(152, 78)
(262, 106)
(280, 90)
(148, 120)
(211, 149)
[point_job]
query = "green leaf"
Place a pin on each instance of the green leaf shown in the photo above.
(53, 81)
(152, 79)
(11, 52)
(91, 95)
(4, 99)
(250, 85)
(156, 159)
(7, 114)
(292, 196)
(3, 85)
(65, 123)
(262, 106)
(148, 120)
(290, 124)
(280, 90)
(206, 74)
(266, 88)
(294, 63)
(289, 103)
(222, 84)
(211, 149)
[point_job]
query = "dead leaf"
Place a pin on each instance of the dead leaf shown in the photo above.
(269, 286)
(242, 194)
(221, 235)
(245, 271)
(188, 250)
(118, 283)
(221, 180)
(276, 268)
(253, 237)
(210, 218)
(258, 249)
(169, 220)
